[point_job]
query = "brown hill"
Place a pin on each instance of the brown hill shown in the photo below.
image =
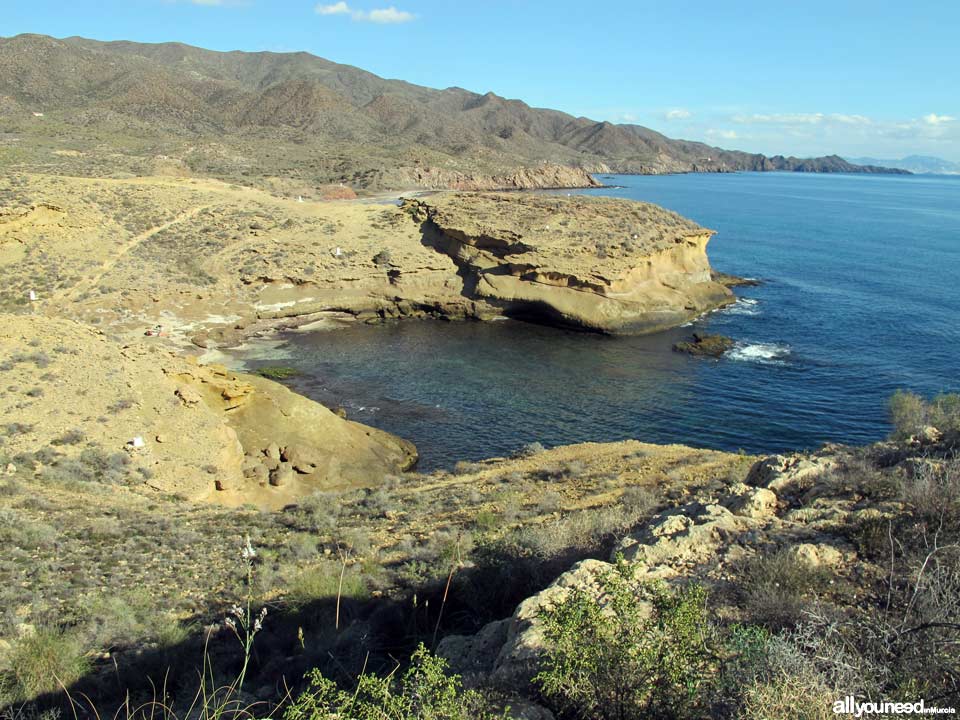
(323, 122)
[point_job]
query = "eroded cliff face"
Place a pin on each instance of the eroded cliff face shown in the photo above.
(596, 264)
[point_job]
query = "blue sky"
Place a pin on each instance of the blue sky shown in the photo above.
(805, 78)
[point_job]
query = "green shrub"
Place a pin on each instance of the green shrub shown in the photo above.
(642, 651)
(277, 372)
(45, 660)
(910, 413)
(423, 692)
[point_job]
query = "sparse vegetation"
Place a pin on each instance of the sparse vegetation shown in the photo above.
(911, 414)
(423, 692)
(277, 372)
(642, 651)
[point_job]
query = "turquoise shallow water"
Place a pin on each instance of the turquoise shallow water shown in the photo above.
(861, 296)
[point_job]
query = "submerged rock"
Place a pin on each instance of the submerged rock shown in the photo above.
(705, 345)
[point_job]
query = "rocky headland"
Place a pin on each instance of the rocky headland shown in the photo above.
(597, 264)
(213, 263)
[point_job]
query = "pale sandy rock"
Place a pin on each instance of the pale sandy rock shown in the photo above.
(518, 658)
(685, 537)
(821, 555)
(789, 474)
(470, 655)
(928, 435)
(751, 502)
(282, 476)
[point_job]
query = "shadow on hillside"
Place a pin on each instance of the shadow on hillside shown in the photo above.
(375, 635)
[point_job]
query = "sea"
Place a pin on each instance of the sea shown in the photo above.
(859, 296)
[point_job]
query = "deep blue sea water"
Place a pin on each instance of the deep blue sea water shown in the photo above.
(860, 296)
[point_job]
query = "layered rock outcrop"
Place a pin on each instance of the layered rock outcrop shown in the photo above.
(545, 176)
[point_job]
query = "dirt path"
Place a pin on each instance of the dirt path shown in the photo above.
(71, 294)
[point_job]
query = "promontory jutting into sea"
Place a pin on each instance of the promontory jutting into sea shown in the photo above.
(328, 395)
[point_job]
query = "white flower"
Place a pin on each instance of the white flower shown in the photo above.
(248, 552)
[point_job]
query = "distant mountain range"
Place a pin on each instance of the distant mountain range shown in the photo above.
(293, 119)
(914, 163)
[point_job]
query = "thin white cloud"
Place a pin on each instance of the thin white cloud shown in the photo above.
(780, 119)
(386, 16)
(340, 8)
(822, 133)
(934, 119)
(787, 119)
(382, 16)
(723, 134)
(851, 119)
(677, 114)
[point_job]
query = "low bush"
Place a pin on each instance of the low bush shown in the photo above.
(778, 587)
(322, 582)
(43, 661)
(910, 413)
(641, 651)
(423, 692)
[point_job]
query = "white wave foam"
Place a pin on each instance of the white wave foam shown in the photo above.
(767, 353)
(743, 306)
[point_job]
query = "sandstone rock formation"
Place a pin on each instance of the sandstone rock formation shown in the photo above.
(546, 176)
(596, 264)
(79, 405)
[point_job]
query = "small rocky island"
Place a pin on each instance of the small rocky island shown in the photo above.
(705, 345)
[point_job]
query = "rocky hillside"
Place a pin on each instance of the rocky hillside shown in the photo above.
(80, 106)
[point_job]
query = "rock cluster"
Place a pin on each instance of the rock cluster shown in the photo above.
(708, 538)
(705, 345)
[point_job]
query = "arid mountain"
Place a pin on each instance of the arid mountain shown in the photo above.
(90, 107)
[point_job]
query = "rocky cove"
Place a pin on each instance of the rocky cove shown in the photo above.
(609, 266)
(190, 457)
